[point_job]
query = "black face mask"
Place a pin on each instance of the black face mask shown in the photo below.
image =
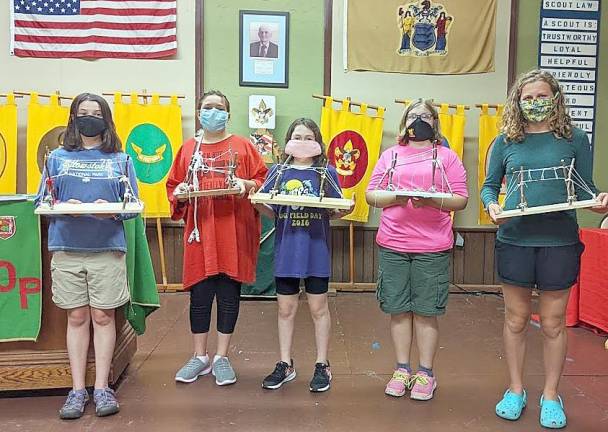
(419, 130)
(90, 126)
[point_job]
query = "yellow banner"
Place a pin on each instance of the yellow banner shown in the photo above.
(151, 134)
(8, 146)
(489, 128)
(452, 127)
(45, 128)
(421, 36)
(353, 141)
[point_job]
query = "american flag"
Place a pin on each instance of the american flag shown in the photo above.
(94, 28)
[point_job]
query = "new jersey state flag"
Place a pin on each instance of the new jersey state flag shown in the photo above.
(353, 141)
(151, 134)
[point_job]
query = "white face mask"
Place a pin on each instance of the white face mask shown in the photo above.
(303, 148)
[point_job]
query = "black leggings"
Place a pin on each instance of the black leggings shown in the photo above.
(228, 292)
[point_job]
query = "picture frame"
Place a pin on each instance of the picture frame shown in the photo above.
(263, 49)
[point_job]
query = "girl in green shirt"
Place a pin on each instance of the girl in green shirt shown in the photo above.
(537, 251)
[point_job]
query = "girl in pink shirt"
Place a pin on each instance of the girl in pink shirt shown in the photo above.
(414, 239)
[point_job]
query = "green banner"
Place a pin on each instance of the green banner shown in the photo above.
(264, 285)
(20, 272)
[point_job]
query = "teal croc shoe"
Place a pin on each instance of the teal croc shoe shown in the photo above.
(552, 413)
(511, 405)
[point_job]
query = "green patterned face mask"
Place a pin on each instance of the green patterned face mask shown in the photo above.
(536, 110)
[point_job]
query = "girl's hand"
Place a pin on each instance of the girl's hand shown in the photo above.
(402, 200)
(603, 206)
(240, 185)
(182, 188)
(419, 202)
(103, 216)
(338, 214)
(494, 210)
(74, 201)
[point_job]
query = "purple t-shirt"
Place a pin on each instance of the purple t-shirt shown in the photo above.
(301, 246)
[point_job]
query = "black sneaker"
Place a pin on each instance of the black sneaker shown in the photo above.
(321, 379)
(282, 373)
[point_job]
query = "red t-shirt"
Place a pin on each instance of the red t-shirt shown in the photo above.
(229, 226)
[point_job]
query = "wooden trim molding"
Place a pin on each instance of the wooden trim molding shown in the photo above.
(329, 4)
(199, 53)
(512, 71)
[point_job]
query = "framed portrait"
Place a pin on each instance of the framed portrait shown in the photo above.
(263, 49)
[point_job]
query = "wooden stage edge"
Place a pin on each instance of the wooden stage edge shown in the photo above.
(351, 287)
(33, 370)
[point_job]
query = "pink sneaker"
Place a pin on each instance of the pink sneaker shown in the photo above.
(424, 386)
(399, 383)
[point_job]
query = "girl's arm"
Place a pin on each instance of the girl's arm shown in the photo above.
(256, 171)
(584, 166)
(372, 195)
(175, 181)
(133, 190)
(455, 203)
(383, 200)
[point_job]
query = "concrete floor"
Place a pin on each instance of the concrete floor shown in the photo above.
(470, 370)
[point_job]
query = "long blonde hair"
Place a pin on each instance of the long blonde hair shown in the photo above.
(513, 121)
(402, 136)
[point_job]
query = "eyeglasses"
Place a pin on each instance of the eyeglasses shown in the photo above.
(423, 116)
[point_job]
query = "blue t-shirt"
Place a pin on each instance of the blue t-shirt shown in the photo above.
(87, 175)
(302, 233)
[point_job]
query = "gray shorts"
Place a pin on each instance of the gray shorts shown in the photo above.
(97, 279)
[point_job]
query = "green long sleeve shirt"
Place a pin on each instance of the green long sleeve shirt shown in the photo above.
(535, 152)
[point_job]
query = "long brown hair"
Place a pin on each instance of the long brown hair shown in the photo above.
(513, 120)
(72, 141)
(402, 135)
(319, 160)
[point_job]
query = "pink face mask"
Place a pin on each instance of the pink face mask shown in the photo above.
(303, 148)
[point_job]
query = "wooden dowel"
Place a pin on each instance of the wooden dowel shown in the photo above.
(161, 249)
(43, 95)
(351, 252)
(435, 104)
(495, 106)
(143, 95)
(376, 107)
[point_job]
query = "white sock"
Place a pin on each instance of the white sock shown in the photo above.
(204, 359)
(216, 358)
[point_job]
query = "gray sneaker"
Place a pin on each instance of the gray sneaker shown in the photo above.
(74, 405)
(105, 402)
(223, 372)
(192, 370)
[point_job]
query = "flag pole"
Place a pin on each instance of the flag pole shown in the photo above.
(351, 252)
(159, 227)
(351, 238)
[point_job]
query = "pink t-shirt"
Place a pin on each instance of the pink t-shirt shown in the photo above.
(425, 229)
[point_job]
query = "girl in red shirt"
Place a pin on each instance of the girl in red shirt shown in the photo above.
(221, 235)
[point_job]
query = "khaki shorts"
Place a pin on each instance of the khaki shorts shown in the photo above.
(413, 282)
(98, 279)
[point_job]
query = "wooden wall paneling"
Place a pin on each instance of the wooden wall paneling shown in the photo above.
(474, 257)
(154, 251)
(360, 254)
(488, 266)
(337, 252)
(458, 264)
(179, 255)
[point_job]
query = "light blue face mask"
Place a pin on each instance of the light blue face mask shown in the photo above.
(213, 120)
